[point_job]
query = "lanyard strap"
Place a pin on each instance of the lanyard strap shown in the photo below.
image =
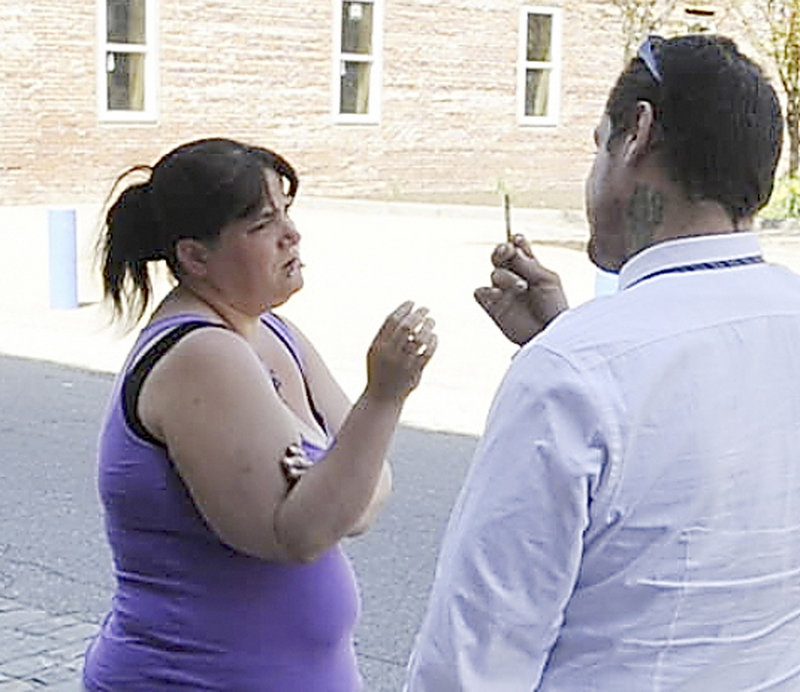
(701, 266)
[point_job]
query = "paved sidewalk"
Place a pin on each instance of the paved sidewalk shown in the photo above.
(39, 650)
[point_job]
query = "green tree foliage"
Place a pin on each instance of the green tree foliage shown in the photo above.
(774, 25)
(784, 202)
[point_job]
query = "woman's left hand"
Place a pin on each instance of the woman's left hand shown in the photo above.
(400, 351)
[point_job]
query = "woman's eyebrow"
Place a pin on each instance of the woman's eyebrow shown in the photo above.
(267, 209)
(260, 217)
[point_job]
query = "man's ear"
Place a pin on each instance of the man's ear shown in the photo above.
(638, 142)
(192, 256)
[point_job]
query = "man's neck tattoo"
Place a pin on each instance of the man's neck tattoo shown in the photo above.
(645, 214)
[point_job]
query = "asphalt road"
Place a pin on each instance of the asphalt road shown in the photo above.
(53, 554)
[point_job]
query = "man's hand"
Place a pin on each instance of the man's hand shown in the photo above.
(524, 296)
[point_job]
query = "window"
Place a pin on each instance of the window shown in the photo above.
(539, 72)
(358, 40)
(126, 84)
(698, 20)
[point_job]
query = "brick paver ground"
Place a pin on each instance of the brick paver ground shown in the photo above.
(39, 650)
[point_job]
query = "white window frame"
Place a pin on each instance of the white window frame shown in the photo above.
(150, 51)
(553, 66)
(699, 19)
(373, 115)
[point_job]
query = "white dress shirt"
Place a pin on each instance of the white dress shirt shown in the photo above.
(631, 520)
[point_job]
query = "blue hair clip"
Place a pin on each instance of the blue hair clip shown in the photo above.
(647, 56)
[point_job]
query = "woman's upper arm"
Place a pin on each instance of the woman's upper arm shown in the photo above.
(329, 397)
(211, 403)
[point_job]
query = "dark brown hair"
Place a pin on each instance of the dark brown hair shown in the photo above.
(719, 119)
(191, 192)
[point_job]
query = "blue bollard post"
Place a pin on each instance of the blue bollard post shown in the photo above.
(63, 259)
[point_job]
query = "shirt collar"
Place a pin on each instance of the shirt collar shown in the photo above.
(683, 251)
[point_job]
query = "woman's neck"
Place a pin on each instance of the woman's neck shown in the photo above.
(191, 298)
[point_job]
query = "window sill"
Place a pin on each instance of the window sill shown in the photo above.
(341, 119)
(127, 118)
(538, 122)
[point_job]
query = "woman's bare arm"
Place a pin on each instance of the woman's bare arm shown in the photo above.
(334, 405)
(211, 403)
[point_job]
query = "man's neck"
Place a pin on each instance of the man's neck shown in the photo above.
(656, 214)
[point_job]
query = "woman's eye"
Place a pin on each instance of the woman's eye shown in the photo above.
(262, 225)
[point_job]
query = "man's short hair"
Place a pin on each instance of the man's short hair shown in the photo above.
(719, 121)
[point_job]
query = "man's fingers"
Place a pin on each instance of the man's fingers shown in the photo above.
(486, 297)
(493, 300)
(507, 280)
(505, 252)
(522, 243)
(527, 267)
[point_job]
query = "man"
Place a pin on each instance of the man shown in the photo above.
(631, 521)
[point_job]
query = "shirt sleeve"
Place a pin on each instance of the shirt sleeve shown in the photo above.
(512, 549)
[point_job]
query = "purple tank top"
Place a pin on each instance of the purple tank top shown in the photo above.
(192, 613)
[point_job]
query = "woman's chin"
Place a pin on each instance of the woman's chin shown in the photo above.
(295, 286)
(297, 283)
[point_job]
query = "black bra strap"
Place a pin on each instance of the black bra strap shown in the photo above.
(134, 379)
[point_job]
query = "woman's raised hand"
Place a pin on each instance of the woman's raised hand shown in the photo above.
(401, 349)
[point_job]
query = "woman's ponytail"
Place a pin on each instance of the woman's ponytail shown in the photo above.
(130, 240)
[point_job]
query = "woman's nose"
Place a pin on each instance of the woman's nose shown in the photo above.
(291, 235)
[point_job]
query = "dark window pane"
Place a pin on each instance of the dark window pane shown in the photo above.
(355, 87)
(357, 27)
(540, 27)
(125, 81)
(537, 87)
(125, 21)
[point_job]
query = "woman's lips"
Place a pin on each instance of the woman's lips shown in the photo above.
(293, 266)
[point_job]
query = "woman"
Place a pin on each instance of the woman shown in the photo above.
(230, 462)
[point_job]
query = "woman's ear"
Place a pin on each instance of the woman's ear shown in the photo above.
(638, 142)
(192, 256)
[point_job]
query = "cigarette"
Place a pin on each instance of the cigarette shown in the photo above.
(507, 206)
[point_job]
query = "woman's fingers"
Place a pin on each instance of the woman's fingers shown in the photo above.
(419, 339)
(426, 330)
(400, 351)
(425, 354)
(406, 329)
(411, 323)
(395, 319)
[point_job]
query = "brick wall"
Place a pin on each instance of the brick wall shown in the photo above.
(261, 71)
